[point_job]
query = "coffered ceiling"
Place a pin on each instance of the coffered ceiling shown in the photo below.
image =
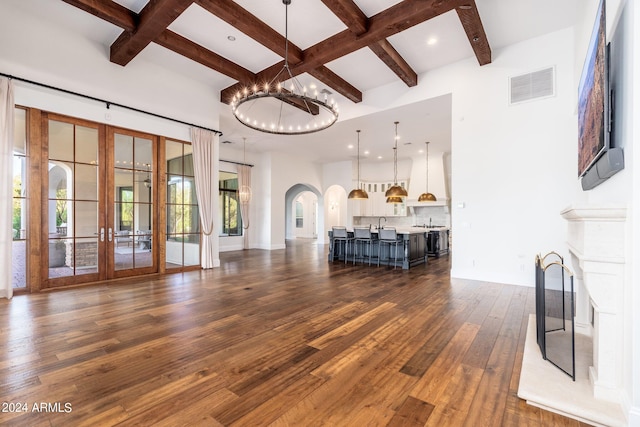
(344, 46)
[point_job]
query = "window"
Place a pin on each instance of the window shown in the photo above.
(183, 217)
(229, 205)
(19, 222)
(125, 209)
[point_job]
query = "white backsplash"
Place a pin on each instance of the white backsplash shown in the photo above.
(434, 215)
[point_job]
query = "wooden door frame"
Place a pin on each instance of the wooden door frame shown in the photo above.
(112, 273)
(48, 282)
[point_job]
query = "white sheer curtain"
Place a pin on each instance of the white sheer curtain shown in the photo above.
(244, 181)
(6, 187)
(205, 167)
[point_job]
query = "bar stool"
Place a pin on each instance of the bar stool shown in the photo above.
(363, 236)
(340, 234)
(388, 237)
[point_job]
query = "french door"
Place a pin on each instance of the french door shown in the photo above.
(99, 218)
(131, 200)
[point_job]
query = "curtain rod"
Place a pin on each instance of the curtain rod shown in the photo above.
(237, 163)
(108, 103)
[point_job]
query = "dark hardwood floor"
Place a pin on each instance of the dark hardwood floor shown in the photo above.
(271, 338)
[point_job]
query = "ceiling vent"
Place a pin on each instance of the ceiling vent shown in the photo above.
(535, 85)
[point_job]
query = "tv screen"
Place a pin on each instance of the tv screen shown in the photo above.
(592, 98)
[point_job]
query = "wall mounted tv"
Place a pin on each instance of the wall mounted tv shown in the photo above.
(592, 98)
(597, 160)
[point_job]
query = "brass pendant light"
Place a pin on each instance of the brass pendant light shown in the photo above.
(395, 193)
(358, 193)
(426, 196)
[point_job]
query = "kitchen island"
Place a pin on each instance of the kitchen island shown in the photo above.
(412, 249)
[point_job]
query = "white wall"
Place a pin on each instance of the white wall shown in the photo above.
(513, 167)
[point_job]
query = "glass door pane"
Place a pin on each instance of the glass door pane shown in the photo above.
(133, 198)
(73, 202)
(182, 246)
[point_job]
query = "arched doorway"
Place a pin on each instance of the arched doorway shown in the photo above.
(302, 216)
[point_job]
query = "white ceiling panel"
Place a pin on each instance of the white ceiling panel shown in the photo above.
(373, 7)
(434, 43)
(310, 22)
(211, 32)
(364, 69)
(135, 5)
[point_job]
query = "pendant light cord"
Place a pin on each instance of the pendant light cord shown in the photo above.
(395, 157)
(358, 157)
(427, 174)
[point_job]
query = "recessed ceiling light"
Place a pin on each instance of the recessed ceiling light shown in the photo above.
(231, 38)
(431, 41)
(366, 152)
(350, 146)
(379, 157)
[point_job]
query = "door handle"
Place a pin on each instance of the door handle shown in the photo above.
(110, 234)
(102, 234)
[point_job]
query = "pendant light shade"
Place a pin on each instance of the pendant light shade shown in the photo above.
(395, 193)
(426, 196)
(358, 193)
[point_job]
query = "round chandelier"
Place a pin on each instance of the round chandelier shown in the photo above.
(283, 106)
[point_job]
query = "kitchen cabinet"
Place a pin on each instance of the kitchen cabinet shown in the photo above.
(376, 204)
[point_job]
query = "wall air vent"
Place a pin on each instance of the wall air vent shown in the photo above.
(535, 85)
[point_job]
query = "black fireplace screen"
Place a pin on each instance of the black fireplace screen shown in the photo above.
(555, 311)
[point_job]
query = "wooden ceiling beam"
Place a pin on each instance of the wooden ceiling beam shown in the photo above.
(392, 58)
(358, 23)
(238, 17)
(390, 21)
(124, 18)
(110, 11)
(337, 83)
(197, 53)
(350, 14)
(470, 19)
(154, 18)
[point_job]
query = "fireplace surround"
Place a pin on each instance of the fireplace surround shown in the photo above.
(596, 240)
(597, 244)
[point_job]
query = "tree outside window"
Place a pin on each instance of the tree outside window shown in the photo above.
(229, 205)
